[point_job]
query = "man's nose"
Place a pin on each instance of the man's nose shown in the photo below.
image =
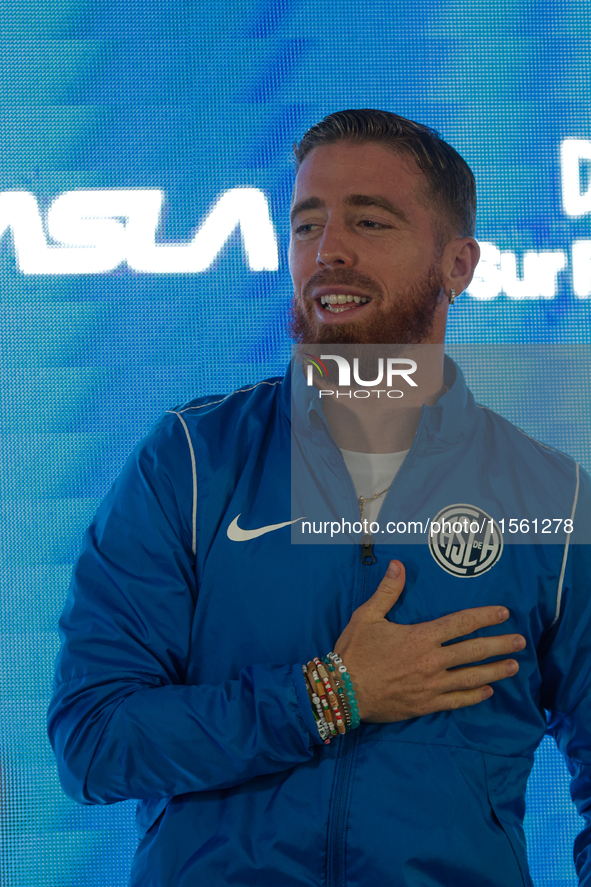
(334, 247)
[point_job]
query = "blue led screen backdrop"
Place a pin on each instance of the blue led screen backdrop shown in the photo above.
(145, 179)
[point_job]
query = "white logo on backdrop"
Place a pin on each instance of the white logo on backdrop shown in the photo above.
(96, 231)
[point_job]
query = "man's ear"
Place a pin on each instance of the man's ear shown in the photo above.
(459, 261)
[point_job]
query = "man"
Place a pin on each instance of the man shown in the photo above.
(191, 613)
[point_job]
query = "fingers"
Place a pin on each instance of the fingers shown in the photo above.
(455, 625)
(461, 699)
(478, 676)
(477, 649)
(387, 592)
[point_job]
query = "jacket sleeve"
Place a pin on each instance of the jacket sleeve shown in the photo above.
(566, 677)
(122, 721)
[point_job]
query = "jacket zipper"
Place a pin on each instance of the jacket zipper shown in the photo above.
(367, 556)
(337, 838)
(337, 814)
(336, 871)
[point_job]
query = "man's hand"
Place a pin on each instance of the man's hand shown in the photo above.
(401, 671)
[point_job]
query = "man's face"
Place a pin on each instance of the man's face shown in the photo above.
(360, 230)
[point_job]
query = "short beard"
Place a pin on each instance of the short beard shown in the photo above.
(409, 321)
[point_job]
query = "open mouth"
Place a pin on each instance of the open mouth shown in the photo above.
(337, 303)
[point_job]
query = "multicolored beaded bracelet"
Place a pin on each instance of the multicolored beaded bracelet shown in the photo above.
(346, 678)
(321, 724)
(332, 696)
(320, 693)
(339, 686)
(344, 702)
(339, 720)
(331, 715)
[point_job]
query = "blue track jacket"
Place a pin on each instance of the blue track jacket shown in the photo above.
(179, 679)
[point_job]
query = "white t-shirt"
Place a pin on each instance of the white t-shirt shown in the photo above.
(372, 473)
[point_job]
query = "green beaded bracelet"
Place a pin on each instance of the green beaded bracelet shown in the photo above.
(345, 677)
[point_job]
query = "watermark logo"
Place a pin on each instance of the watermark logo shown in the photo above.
(314, 363)
(465, 541)
(387, 372)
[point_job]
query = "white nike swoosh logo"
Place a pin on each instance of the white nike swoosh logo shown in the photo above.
(236, 534)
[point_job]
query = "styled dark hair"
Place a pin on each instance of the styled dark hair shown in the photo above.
(451, 186)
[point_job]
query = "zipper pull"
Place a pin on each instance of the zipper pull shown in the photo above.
(367, 555)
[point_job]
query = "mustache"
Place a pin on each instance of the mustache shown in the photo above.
(343, 278)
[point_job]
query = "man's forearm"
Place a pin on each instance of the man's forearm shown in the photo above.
(117, 739)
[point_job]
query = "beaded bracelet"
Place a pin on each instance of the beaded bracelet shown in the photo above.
(332, 699)
(320, 694)
(346, 678)
(339, 686)
(345, 703)
(331, 693)
(321, 723)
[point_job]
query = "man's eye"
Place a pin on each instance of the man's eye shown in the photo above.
(300, 228)
(372, 223)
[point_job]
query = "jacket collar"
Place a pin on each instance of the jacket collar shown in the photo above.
(448, 421)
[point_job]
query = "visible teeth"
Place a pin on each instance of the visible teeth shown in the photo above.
(338, 309)
(342, 299)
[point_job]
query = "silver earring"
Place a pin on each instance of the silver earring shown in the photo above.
(452, 297)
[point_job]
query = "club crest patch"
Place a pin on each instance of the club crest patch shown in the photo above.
(464, 540)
